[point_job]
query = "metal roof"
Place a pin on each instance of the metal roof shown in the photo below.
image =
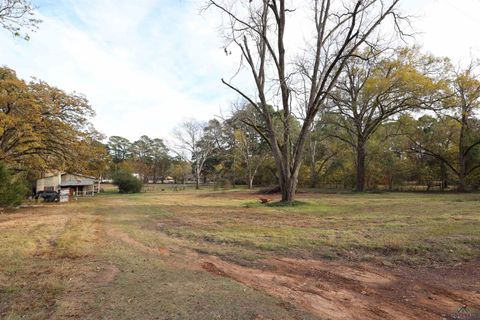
(76, 183)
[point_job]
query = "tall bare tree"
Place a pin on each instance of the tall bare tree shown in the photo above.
(259, 29)
(194, 145)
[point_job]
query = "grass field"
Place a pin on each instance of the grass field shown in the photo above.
(223, 255)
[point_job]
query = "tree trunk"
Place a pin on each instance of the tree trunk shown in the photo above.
(155, 175)
(360, 176)
(462, 175)
(462, 165)
(289, 165)
(313, 179)
(289, 189)
(443, 175)
(288, 185)
(197, 178)
(313, 163)
(250, 183)
(313, 173)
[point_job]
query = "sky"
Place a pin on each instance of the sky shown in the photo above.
(148, 65)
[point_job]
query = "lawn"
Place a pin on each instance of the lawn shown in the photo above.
(223, 255)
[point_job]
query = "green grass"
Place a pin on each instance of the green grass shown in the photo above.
(409, 228)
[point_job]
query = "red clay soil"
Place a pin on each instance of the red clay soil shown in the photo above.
(347, 291)
(344, 290)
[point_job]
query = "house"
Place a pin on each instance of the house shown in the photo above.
(76, 184)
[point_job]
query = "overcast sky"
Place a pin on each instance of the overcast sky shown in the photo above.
(146, 65)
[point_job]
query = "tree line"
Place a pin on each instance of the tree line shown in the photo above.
(343, 107)
(348, 80)
(396, 120)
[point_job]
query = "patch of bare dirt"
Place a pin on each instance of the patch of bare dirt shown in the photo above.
(344, 290)
(106, 274)
(339, 291)
(212, 268)
(135, 243)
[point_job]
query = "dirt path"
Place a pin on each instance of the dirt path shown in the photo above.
(135, 243)
(333, 290)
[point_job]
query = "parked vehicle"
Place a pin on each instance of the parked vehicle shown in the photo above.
(48, 196)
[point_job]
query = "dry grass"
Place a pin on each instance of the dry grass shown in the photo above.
(64, 261)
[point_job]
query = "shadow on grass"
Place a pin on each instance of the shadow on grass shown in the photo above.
(277, 204)
(290, 204)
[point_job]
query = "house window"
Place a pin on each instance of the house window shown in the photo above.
(49, 189)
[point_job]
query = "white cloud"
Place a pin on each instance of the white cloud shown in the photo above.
(139, 81)
(447, 27)
(146, 65)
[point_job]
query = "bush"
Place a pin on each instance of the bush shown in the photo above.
(126, 182)
(12, 189)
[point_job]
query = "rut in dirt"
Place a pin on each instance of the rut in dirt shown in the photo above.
(335, 290)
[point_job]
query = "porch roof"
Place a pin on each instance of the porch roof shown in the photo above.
(77, 183)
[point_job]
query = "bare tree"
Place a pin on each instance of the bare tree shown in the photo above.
(259, 29)
(251, 154)
(18, 15)
(320, 150)
(193, 145)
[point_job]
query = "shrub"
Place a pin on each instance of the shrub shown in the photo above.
(12, 189)
(126, 182)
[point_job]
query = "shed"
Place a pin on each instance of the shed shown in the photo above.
(76, 184)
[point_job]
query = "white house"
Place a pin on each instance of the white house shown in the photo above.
(76, 184)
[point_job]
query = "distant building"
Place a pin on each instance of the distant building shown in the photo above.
(168, 179)
(76, 184)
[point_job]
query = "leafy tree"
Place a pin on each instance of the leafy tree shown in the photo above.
(179, 169)
(373, 91)
(119, 148)
(12, 189)
(438, 137)
(463, 107)
(142, 155)
(453, 137)
(42, 126)
(160, 159)
(387, 162)
(92, 156)
(248, 148)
